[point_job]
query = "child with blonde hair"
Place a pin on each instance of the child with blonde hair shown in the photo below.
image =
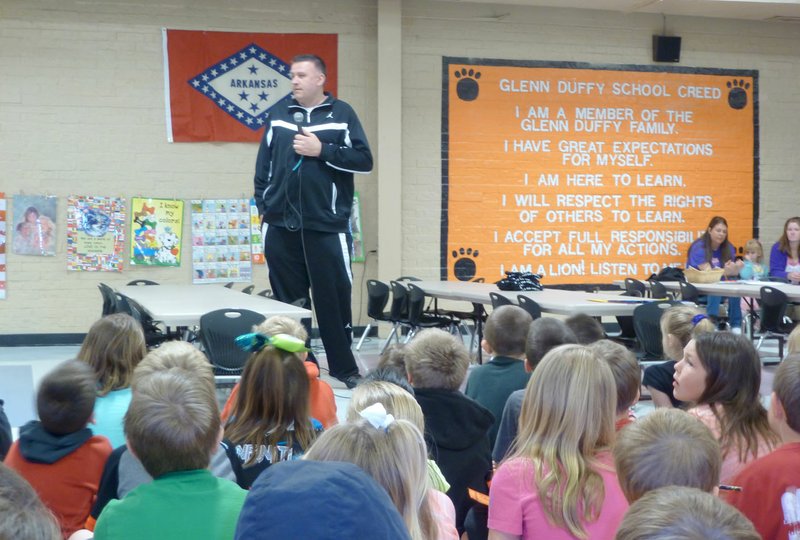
(321, 399)
(393, 452)
(753, 257)
(678, 325)
(720, 374)
(113, 348)
(270, 421)
(559, 481)
(627, 376)
(793, 341)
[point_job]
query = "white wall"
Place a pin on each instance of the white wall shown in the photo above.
(82, 112)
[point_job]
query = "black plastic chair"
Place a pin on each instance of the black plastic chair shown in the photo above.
(109, 299)
(500, 300)
(418, 318)
(140, 282)
(249, 289)
(689, 292)
(155, 332)
(218, 332)
(636, 288)
(266, 293)
(378, 294)
(657, 290)
(647, 326)
(774, 322)
(530, 305)
(398, 312)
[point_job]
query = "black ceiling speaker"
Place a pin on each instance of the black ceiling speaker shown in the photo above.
(666, 49)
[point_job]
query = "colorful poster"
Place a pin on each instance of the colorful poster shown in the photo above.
(2, 246)
(35, 230)
(256, 238)
(220, 86)
(156, 232)
(95, 233)
(221, 240)
(588, 174)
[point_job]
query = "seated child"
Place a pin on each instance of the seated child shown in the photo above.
(113, 347)
(768, 495)
(456, 425)
(318, 501)
(666, 448)
(173, 427)
(23, 514)
(793, 341)
(720, 374)
(270, 421)
(5, 433)
(627, 376)
(678, 324)
(545, 333)
(753, 268)
(393, 452)
(587, 329)
(559, 481)
(123, 471)
(321, 400)
(673, 512)
(504, 337)
(58, 454)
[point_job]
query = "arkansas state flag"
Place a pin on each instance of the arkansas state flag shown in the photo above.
(220, 86)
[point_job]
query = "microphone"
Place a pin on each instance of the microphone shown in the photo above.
(298, 119)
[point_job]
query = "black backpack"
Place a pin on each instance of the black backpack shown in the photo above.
(669, 274)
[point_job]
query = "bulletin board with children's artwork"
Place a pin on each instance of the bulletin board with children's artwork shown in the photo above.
(2, 246)
(156, 232)
(355, 229)
(222, 240)
(95, 233)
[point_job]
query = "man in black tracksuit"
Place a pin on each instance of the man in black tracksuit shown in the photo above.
(312, 145)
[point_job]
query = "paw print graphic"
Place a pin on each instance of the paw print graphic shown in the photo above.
(467, 87)
(737, 96)
(464, 267)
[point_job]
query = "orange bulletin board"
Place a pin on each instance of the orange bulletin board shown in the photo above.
(586, 174)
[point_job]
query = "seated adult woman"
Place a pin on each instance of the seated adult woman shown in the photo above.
(784, 258)
(713, 250)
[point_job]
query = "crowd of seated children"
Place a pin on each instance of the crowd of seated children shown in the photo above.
(456, 425)
(720, 374)
(401, 404)
(23, 514)
(173, 427)
(270, 420)
(316, 500)
(58, 454)
(321, 400)
(559, 481)
(504, 337)
(669, 513)
(544, 334)
(587, 329)
(667, 447)
(678, 325)
(627, 377)
(123, 471)
(113, 347)
(393, 452)
(769, 496)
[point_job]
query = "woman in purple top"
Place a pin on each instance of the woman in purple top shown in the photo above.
(784, 259)
(713, 250)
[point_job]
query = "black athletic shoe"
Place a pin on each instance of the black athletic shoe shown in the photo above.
(351, 381)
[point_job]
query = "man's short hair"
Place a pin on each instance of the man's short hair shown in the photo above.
(507, 329)
(66, 396)
(23, 513)
(318, 62)
(626, 370)
(587, 329)
(175, 355)
(670, 513)
(172, 423)
(666, 448)
(786, 386)
(546, 333)
(437, 359)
